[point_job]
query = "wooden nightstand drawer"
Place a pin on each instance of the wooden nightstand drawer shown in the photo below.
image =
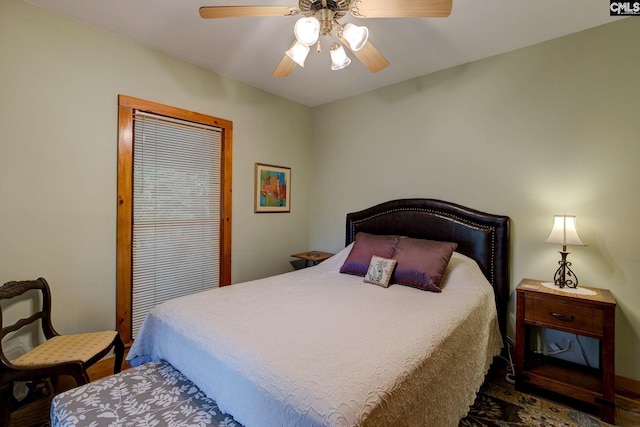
(562, 315)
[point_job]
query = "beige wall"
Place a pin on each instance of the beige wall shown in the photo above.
(59, 82)
(549, 129)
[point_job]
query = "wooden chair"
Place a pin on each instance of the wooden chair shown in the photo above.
(58, 355)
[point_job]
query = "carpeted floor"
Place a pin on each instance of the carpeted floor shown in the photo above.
(499, 406)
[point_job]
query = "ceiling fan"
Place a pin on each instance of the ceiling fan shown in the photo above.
(321, 18)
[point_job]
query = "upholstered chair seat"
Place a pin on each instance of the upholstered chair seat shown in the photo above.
(67, 348)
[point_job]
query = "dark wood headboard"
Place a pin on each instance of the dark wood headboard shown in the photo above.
(479, 235)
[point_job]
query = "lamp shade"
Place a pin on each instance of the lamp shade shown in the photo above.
(356, 36)
(339, 58)
(564, 231)
(307, 30)
(298, 53)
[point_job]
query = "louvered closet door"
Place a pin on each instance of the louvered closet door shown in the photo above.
(176, 211)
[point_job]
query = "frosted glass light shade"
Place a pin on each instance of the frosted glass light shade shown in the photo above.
(307, 30)
(298, 52)
(339, 58)
(356, 36)
(564, 231)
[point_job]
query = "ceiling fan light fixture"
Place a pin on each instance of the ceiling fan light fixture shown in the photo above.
(298, 52)
(356, 36)
(307, 30)
(339, 58)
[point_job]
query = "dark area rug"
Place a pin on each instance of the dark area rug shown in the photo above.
(498, 406)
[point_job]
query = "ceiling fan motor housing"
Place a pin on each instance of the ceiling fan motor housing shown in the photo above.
(312, 6)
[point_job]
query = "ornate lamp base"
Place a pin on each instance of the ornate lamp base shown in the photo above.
(564, 275)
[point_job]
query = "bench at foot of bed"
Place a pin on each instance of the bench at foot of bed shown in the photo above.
(152, 394)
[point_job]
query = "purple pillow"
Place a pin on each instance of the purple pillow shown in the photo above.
(421, 263)
(365, 246)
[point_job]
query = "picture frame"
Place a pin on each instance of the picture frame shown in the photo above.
(272, 191)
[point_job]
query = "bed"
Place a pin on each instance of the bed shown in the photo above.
(317, 347)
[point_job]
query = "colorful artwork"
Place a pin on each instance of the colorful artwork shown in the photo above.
(272, 188)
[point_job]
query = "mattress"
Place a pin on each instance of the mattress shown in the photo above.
(318, 348)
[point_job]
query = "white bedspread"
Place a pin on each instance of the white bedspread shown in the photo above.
(318, 348)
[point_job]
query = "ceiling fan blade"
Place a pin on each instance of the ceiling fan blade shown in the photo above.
(208, 12)
(369, 56)
(403, 8)
(285, 67)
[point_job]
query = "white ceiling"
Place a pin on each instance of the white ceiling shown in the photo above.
(248, 49)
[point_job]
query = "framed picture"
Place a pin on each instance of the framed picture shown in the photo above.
(272, 188)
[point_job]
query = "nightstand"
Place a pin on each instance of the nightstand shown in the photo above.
(585, 315)
(312, 257)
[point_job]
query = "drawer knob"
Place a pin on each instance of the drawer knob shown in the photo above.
(568, 318)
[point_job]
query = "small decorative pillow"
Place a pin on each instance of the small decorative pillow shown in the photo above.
(380, 270)
(365, 246)
(421, 263)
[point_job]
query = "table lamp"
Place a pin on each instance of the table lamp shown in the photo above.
(564, 233)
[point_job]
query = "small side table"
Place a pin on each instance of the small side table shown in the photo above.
(587, 315)
(312, 257)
